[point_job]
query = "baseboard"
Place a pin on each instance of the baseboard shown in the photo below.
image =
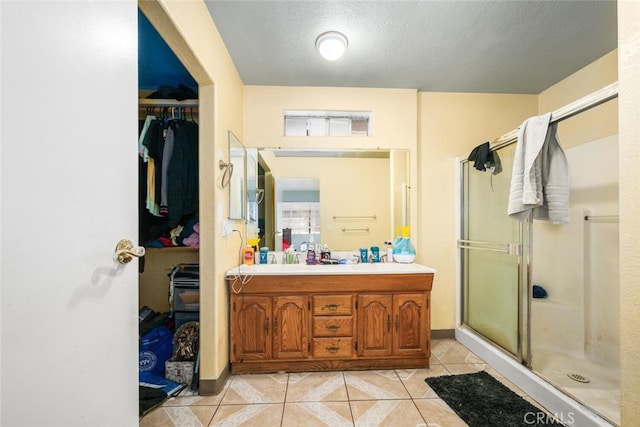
(211, 387)
(442, 334)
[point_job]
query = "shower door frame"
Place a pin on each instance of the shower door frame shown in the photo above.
(519, 369)
(585, 103)
(521, 249)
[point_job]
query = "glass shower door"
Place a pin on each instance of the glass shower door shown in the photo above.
(491, 249)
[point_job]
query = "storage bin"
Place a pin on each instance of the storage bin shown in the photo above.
(186, 298)
(186, 316)
(180, 372)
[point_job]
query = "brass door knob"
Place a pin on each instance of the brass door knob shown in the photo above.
(126, 251)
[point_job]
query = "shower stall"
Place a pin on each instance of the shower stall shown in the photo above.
(540, 301)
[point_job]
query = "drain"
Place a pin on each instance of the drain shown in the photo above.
(578, 377)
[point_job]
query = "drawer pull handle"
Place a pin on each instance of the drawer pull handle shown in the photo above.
(332, 349)
(333, 328)
(332, 307)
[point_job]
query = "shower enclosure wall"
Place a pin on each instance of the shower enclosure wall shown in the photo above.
(565, 333)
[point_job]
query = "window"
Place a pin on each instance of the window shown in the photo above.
(303, 218)
(327, 123)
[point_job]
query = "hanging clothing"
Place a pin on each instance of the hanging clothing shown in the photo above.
(167, 153)
(540, 175)
(170, 172)
(142, 149)
(481, 156)
(182, 172)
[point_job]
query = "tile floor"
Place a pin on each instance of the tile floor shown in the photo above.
(398, 397)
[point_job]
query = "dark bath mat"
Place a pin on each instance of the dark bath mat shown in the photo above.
(482, 401)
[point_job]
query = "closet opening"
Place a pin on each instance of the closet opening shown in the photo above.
(168, 209)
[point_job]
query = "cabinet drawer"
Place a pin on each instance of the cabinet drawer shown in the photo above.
(330, 305)
(332, 347)
(332, 326)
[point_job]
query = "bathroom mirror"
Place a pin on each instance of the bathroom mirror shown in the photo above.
(363, 194)
(252, 185)
(237, 183)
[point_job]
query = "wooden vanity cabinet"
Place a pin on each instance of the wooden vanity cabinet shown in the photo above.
(290, 327)
(393, 324)
(269, 328)
(330, 322)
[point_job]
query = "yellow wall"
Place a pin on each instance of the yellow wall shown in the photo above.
(451, 124)
(593, 124)
(394, 114)
(629, 146)
(188, 29)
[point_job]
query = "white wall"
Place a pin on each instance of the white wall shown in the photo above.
(582, 280)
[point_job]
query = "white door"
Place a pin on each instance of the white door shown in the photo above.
(69, 188)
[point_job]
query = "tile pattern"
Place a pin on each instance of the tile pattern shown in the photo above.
(398, 397)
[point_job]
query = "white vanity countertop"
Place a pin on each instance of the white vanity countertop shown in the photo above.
(303, 269)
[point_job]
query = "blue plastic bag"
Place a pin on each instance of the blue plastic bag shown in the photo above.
(155, 349)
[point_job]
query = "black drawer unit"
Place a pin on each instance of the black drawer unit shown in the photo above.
(184, 293)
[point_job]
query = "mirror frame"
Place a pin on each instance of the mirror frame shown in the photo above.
(237, 182)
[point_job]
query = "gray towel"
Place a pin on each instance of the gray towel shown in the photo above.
(540, 176)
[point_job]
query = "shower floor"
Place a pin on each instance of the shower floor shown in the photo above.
(601, 393)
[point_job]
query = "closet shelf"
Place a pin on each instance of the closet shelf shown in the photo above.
(145, 102)
(173, 249)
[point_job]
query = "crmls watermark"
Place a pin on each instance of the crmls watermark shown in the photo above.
(542, 418)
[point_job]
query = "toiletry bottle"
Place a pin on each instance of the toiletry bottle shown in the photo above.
(375, 251)
(311, 255)
(364, 255)
(248, 255)
(389, 251)
(325, 254)
(264, 255)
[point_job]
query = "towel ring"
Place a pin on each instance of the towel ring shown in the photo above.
(226, 175)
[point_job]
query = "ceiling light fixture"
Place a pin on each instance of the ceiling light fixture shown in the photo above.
(331, 45)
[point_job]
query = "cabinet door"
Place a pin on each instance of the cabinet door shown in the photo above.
(251, 335)
(291, 327)
(374, 325)
(410, 324)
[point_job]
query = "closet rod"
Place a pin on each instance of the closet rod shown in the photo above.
(594, 99)
(160, 103)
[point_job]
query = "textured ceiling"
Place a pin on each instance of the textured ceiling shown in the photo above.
(442, 46)
(438, 46)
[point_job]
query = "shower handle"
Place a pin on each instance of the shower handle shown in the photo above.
(514, 249)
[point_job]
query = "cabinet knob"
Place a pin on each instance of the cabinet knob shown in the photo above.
(333, 328)
(332, 349)
(332, 307)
